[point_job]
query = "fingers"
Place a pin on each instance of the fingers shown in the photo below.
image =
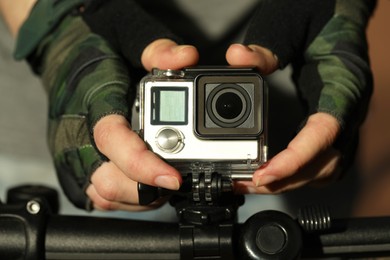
(318, 134)
(115, 139)
(252, 55)
(319, 172)
(308, 157)
(130, 160)
(110, 189)
(166, 54)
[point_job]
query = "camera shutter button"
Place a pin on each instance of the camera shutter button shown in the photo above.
(168, 73)
(170, 140)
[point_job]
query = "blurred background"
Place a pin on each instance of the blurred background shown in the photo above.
(24, 156)
(374, 153)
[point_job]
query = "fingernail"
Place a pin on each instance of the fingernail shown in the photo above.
(263, 180)
(252, 48)
(179, 48)
(167, 182)
(243, 46)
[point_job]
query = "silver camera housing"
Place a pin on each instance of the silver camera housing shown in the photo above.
(206, 118)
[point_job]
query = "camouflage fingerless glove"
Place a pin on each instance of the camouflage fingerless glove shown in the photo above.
(71, 44)
(85, 80)
(325, 41)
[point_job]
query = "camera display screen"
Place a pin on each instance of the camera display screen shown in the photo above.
(169, 106)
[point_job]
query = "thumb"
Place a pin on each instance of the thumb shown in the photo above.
(252, 55)
(166, 54)
(315, 138)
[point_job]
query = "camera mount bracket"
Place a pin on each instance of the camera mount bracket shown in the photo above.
(207, 216)
(209, 200)
(207, 211)
(204, 197)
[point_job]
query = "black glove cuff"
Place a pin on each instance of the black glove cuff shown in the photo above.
(126, 26)
(288, 27)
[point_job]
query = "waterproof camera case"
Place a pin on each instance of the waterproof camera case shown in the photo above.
(206, 118)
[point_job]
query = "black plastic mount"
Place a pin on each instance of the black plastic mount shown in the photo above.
(207, 217)
(203, 198)
(207, 209)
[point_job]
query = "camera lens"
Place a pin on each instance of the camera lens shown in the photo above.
(228, 105)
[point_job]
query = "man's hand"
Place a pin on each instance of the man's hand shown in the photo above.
(114, 184)
(309, 157)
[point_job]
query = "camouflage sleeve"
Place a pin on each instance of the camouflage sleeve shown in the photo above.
(338, 60)
(85, 81)
(335, 76)
(325, 41)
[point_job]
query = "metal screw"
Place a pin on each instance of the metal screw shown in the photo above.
(33, 207)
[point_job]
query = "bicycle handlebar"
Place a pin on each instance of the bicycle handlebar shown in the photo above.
(29, 231)
(102, 238)
(77, 237)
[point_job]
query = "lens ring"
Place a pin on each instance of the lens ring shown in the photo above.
(225, 106)
(234, 93)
